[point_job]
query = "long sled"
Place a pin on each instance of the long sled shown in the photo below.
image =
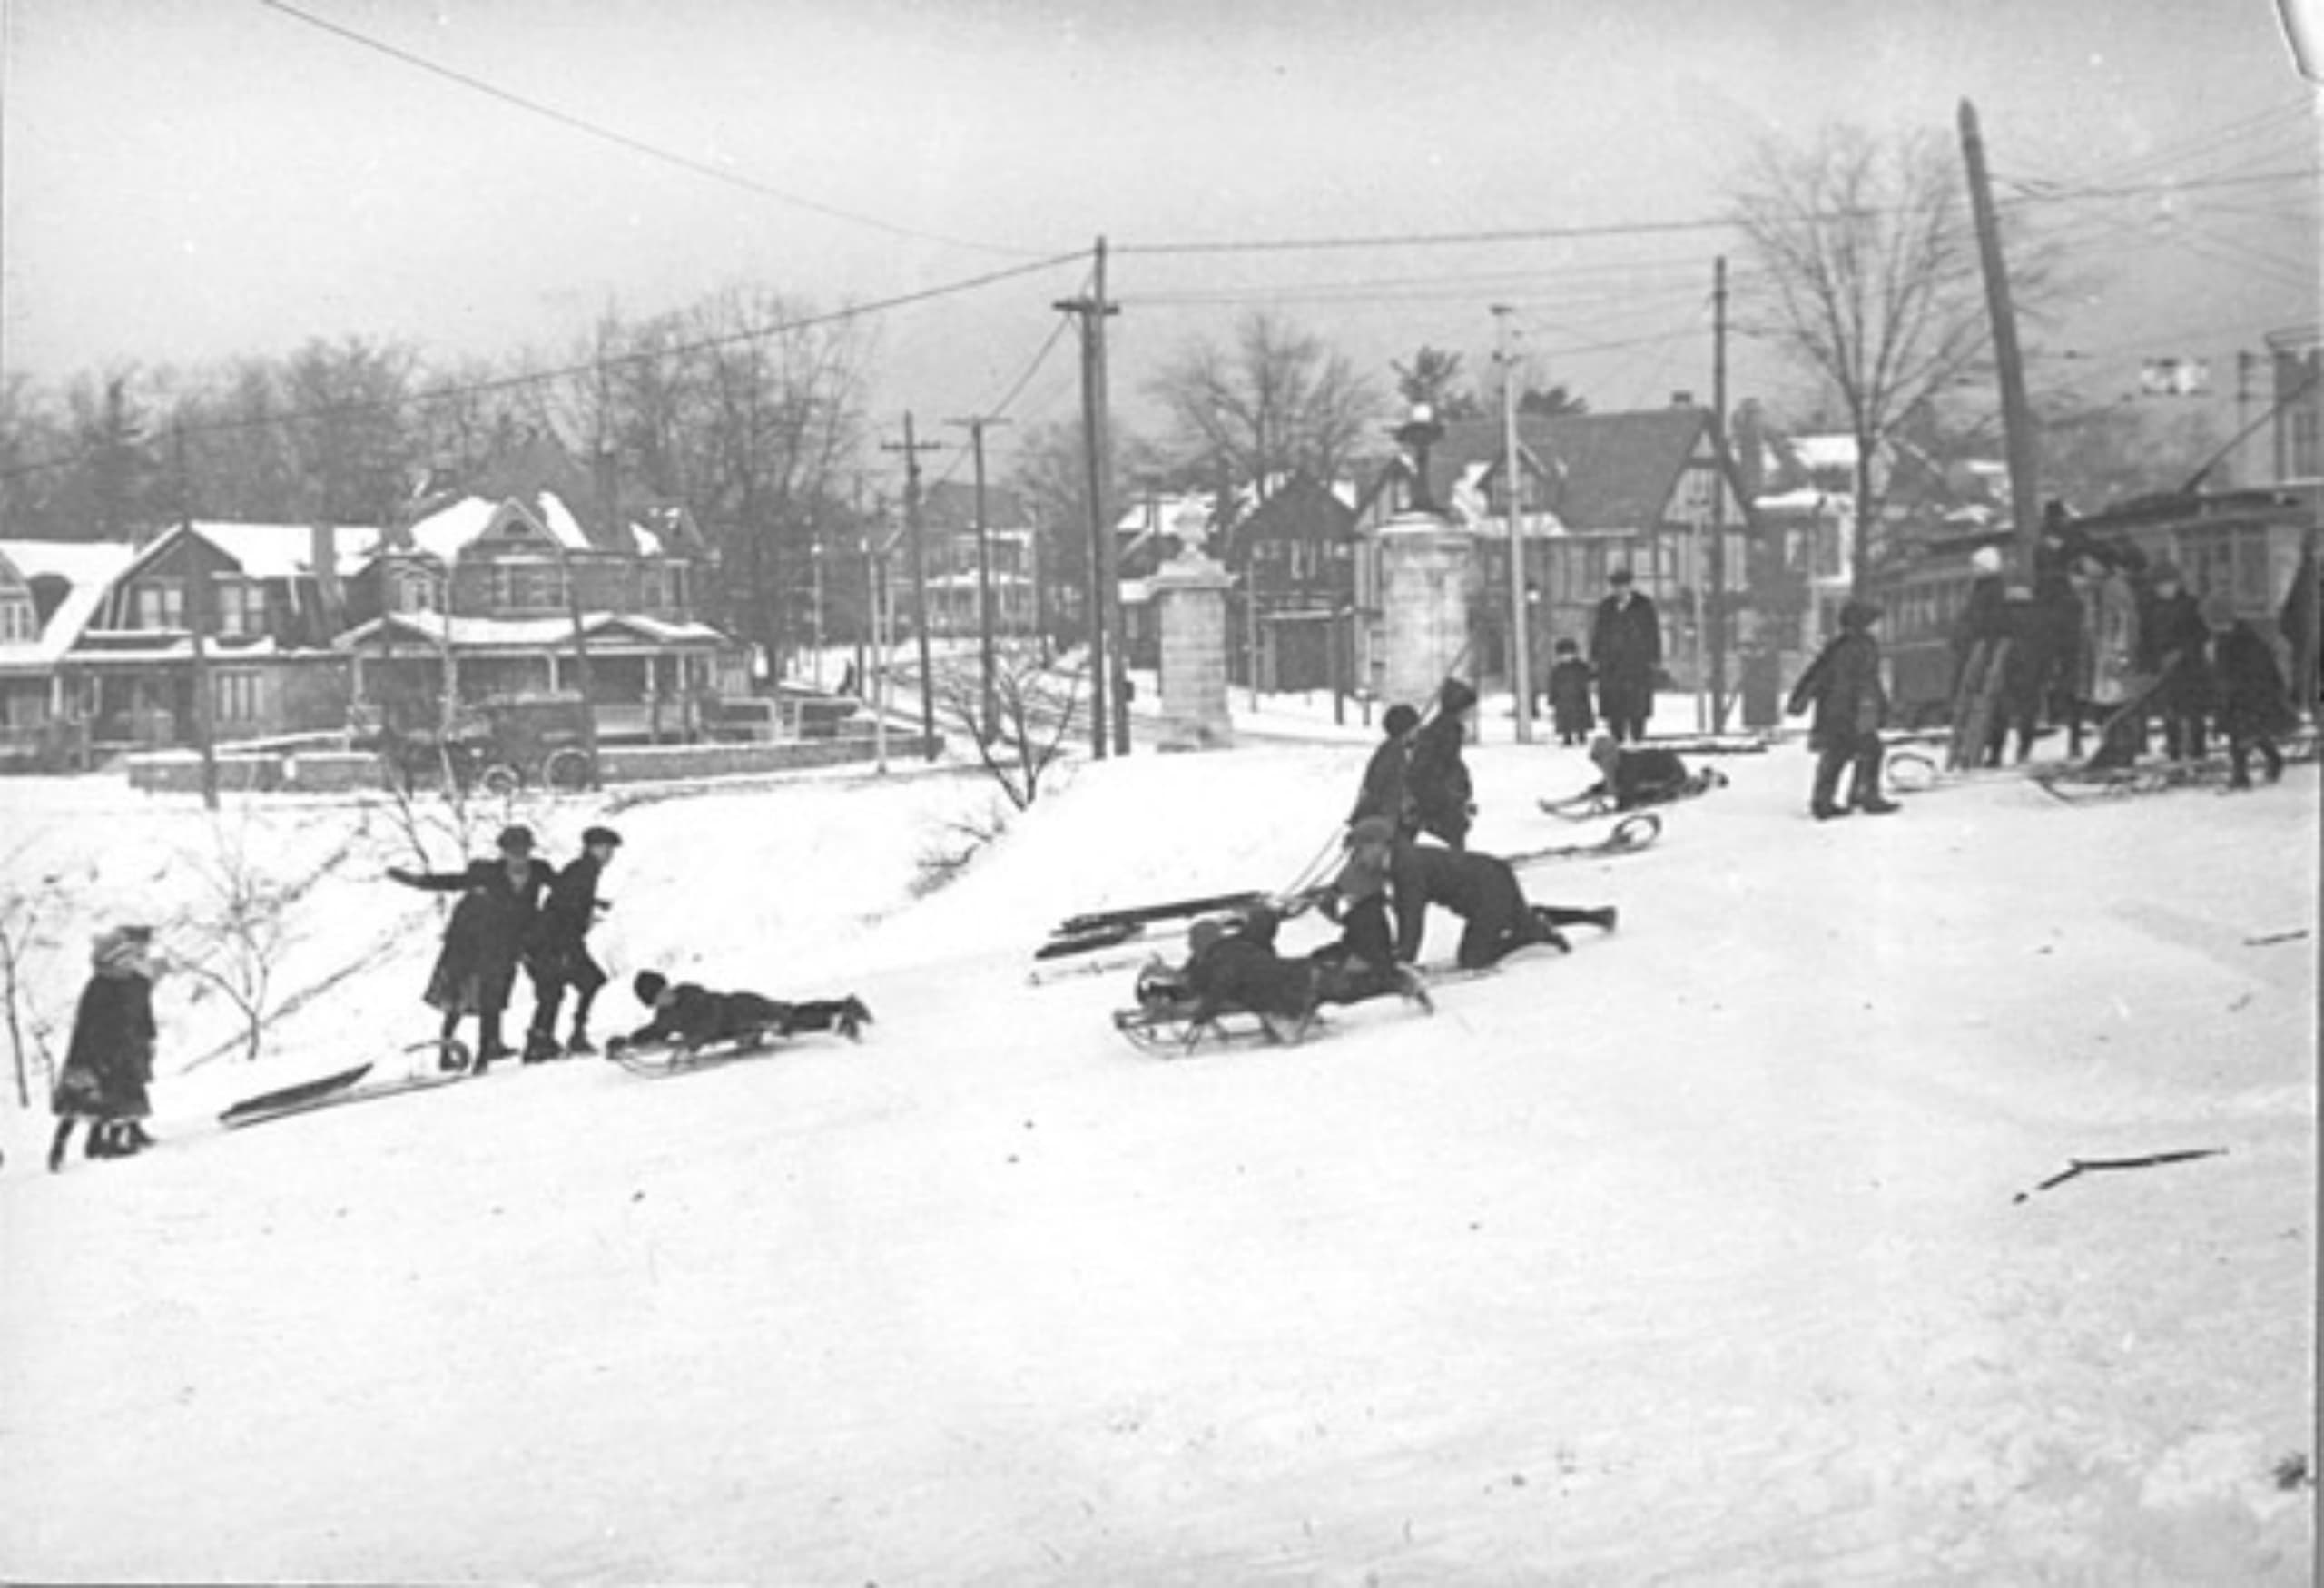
(331, 1091)
(1635, 831)
(658, 1060)
(1593, 802)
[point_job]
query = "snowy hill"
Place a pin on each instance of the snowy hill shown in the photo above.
(1699, 1256)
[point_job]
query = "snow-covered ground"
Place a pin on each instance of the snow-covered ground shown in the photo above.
(1698, 1256)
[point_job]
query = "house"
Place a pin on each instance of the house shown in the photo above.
(239, 616)
(476, 598)
(963, 569)
(49, 592)
(1637, 490)
(1295, 561)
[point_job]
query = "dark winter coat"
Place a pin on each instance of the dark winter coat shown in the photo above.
(1437, 780)
(1843, 686)
(1645, 777)
(2252, 700)
(109, 1063)
(1480, 889)
(1383, 793)
(490, 930)
(1569, 683)
(1625, 648)
(2174, 647)
(1240, 971)
(691, 1014)
(557, 946)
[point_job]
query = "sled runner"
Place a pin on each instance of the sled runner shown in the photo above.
(289, 1098)
(2080, 785)
(660, 1059)
(1178, 1030)
(1635, 831)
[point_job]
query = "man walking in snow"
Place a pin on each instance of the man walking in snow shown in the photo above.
(1625, 648)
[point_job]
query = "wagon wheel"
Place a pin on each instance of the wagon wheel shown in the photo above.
(567, 771)
(1910, 772)
(501, 781)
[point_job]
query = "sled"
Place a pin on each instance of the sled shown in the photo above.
(333, 1091)
(1594, 802)
(1145, 914)
(1178, 1030)
(1635, 831)
(2083, 785)
(659, 1060)
(1533, 953)
(1975, 701)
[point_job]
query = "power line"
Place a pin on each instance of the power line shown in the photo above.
(623, 140)
(543, 376)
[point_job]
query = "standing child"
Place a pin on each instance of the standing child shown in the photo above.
(1842, 686)
(109, 1063)
(1570, 682)
(488, 931)
(1443, 800)
(2253, 707)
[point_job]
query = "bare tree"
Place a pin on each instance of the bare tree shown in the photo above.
(29, 906)
(1276, 401)
(1034, 710)
(233, 942)
(1869, 279)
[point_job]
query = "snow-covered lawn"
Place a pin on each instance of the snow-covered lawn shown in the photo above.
(1699, 1256)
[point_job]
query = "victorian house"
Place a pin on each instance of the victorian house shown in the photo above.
(49, 592)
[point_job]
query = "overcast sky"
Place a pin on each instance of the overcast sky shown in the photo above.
(191, 180)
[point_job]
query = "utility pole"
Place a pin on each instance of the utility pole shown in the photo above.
(911, 450)
(1719, 496)
(2016, 418)
(2244, 360)
(976, 427)
(1108, 671)
(1521, 661)
(197, 619)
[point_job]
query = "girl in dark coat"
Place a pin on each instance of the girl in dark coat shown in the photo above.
(1570, 682)
(2252, 705)
(1444, 799)
(484, 940)
(109, 1063)
(2174, 648)
(1842, 685)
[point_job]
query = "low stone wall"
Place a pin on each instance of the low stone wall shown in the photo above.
(340, 771)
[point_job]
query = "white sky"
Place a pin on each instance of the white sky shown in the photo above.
(188, 181)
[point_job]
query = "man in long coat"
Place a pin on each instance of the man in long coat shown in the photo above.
(1625, 648)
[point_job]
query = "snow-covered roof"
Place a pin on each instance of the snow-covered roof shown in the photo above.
(1825, 451)
(88, 568)
(645, 541)
(450, 530)
(286, 551)
(547, 633)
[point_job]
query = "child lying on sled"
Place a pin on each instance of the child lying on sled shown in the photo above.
(687, 1016)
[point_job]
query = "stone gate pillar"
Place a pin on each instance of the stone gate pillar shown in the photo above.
(1427, 565)
(1190, 601)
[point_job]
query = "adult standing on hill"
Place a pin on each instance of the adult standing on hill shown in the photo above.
(485, 938)
(1625, 648)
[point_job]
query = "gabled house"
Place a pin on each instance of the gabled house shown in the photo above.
(1295, 561)
(485, 598)
(246, 611)
(1637, 491)
(958, 579)
(49, 591)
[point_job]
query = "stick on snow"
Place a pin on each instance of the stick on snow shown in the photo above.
(2078, 1166)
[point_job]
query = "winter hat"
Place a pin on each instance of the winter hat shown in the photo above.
(1371, 830)
(1455, 697)
(1619, 577)
(1401, 719)
(648, 985)
(592, 837)
(1566, 647)
(516, 840)
(1858, 616)
(1205, 936)
(121, 948)
(2218, 609)
(1986, 559)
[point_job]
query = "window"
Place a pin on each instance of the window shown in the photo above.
(158, 604)
(16, 626)
(241, 605)
(415, 590)
(235, 695)
(527, 586)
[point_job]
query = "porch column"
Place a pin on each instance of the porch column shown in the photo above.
(1189, 595)
(1427, 565)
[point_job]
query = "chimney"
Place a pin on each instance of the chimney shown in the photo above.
(323, 554)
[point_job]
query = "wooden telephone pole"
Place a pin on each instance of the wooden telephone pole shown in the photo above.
(2017, 416)
(1717, 628)
(976, 427)
(1108, 667)
(911, 450)
(1520, 660)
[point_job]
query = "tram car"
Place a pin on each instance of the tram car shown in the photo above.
(2247, 544)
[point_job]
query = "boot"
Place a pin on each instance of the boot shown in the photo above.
(58, 1144)
(580, 1042)
(540, 1047)
(1604, 919)
(100, 1142)
(1876, 806)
